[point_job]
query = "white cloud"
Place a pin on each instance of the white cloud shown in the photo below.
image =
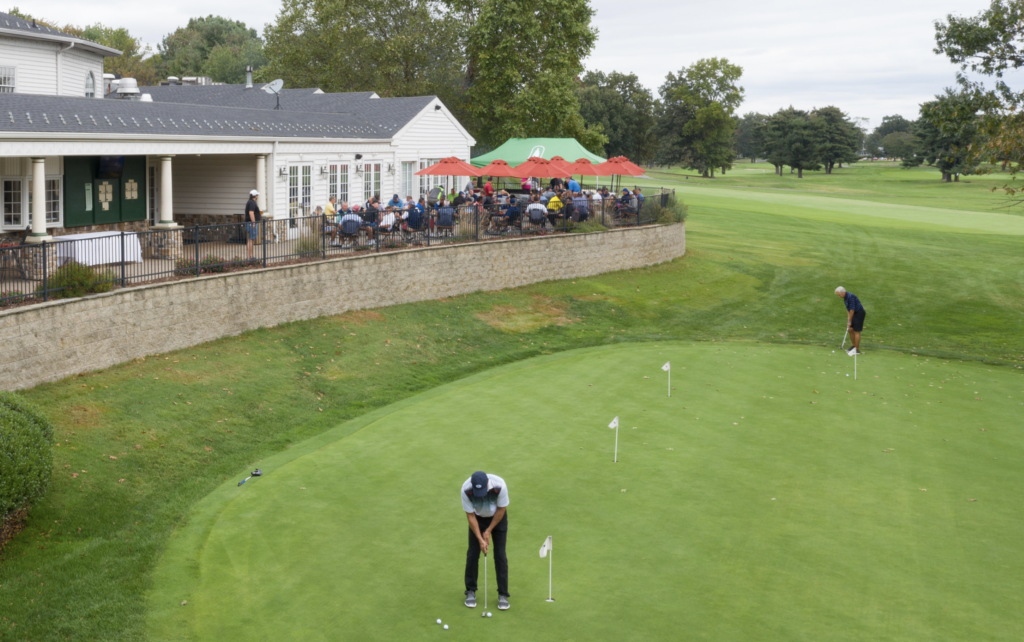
(871, 58)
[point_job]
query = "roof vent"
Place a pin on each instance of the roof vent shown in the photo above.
(128, 88)
(146, 98)
(173, 80)
(248, 77)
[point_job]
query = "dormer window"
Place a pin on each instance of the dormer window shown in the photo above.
(90, 85)
(7, 80)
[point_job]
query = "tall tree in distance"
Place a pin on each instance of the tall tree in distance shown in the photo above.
(696, 124)
(890, 125)
(746, 135)
(135, 60)
(949, 130)
(523, 60)
(212, 46)
(625, 110)
(837, 138)
(392, 47)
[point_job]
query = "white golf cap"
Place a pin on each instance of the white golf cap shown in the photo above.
(254, 193)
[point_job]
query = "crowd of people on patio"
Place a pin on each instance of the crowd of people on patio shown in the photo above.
(439, 213)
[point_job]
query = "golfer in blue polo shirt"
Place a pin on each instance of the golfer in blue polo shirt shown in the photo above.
(484, 500)
(855, 314)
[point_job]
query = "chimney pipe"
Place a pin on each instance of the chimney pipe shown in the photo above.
(248, 77)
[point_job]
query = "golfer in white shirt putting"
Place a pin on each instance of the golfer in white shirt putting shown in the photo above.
(484, 499)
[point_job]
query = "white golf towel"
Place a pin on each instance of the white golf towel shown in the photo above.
(667, 366)
(614, 424)
(545, 547)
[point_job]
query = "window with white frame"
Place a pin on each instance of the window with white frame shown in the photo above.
(371, 180)
(90, 85)
(337, 183)
(14, 202)
(300, 190)
(7, 79)
(408, 179)
(293, 191)
(428, 182)
(53, 201)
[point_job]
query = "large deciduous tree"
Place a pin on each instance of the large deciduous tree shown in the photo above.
(696, 124)
(392, 47)
(901, 145)
(890, 125)
(746, 135)
(212, 46)
(837, 139)
(625, 110)
(949, 132)
(523, 60)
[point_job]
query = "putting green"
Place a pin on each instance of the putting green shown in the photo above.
(848, 210)
(771, 498)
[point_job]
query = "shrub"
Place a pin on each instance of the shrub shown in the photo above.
(588, 226)
(26, 460)
(207, 265)
(308, 245)
(73, 280)
(674, 210)
(14, 297)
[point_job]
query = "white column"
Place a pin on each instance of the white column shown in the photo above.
(261, 183)
(166, 196)
(38, 188)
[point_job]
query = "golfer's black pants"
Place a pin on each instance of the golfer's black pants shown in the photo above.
(498, 538)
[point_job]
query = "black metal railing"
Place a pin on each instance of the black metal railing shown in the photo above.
(77, 265)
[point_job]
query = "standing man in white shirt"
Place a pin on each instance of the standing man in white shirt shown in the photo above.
(484, 499)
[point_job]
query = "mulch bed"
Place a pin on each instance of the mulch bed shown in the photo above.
(11, 525)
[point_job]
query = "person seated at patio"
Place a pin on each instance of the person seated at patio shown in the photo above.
(459, 200)
(572, 185)
(502, 197)
(395, 201)
(547, 196)
(555, 182)
(582, 206)
(388, 220)
(348, 215)
(370, 216)
(434, 195)
(536, 212)
(409, 202)
(446, 217)
(513, 212)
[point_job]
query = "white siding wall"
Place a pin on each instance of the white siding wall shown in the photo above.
(36, 63)
(372, 153)
(433, 134)
(75, 64)
(216, 185)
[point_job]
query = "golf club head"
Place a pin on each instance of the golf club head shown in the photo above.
(257, 472)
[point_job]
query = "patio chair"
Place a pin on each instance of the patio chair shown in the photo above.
(350, 233)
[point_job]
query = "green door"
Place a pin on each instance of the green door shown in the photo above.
(106, 194)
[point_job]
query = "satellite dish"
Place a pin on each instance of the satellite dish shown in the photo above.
(274, 87)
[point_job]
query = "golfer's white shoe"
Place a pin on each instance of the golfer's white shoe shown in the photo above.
(502, 603)
(471, 599)
(852, 351)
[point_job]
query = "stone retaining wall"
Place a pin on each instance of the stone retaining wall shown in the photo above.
(50, 341)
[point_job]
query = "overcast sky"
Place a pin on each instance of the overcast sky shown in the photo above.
(871, 58)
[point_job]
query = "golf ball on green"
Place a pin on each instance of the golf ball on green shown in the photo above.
(489, 614)
(445, 627)
(439, 621)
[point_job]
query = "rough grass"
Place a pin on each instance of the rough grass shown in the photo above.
(181, 424)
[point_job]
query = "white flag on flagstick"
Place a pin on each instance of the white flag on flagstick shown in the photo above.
(667, 366)
(614, 424)
(545, 547)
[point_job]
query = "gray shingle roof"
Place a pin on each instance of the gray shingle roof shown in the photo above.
(22, 26)
(387, 114)
(63, 114)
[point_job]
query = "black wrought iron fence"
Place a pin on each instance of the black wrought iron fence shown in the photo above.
(77, 265)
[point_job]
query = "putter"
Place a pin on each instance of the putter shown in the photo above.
(842, 346)
(256, 473)
(484, 614)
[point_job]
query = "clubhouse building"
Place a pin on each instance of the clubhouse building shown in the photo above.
(84, 152)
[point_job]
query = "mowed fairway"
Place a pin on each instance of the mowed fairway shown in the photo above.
(771, 498)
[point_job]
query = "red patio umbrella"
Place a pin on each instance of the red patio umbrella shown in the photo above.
(538, 167)
(584, 167)
(621, 166)
(450, 166)
(561, 165)
(498, 169)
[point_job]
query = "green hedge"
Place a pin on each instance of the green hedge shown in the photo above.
(26, 460)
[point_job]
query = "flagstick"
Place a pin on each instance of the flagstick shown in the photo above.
(670, 382)
(854, 367)
(551, 557)
(616, 460)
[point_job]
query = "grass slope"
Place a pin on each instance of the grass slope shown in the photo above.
(182, 424)
(772, 498)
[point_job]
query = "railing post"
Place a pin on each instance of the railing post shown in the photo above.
(323, 234)
(195, 241)
(123, 284)
(46, 286)
(263, 240)
(476, 211)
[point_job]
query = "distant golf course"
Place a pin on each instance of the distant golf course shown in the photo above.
(771, 493)
(365, 424)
